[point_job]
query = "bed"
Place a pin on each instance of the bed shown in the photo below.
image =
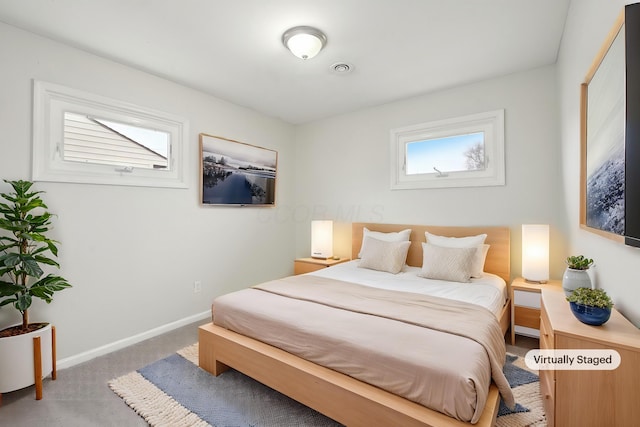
(237, 340)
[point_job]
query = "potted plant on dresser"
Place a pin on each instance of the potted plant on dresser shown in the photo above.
(24, 251)
(590, 306)
(575, 275)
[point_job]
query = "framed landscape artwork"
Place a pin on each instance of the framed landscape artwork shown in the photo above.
(236, 174)
(602, 123)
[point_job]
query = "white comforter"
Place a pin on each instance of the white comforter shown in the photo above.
(489, 291)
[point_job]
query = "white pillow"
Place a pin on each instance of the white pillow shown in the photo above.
(383, 256)
(478, 263)
(452, 264)
(464, 242)
(400, 236)
(455, 242)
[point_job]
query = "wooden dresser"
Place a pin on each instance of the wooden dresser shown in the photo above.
(589, 397)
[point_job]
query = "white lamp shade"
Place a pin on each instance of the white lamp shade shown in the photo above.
(322, 239)
(535, 252)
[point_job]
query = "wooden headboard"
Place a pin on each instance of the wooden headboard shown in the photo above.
(498, 258)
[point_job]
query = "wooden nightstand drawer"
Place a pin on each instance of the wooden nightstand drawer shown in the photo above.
(523, 298)
(525, 306)
(527, 317)
(305, 267)
(308, 265)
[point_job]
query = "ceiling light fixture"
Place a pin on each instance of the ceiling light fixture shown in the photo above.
(304, 42)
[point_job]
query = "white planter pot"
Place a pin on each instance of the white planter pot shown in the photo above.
(16, 359)
(574, 279)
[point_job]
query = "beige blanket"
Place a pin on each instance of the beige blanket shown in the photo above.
(358, 330)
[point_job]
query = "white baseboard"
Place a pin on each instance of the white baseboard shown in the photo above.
(68, 362)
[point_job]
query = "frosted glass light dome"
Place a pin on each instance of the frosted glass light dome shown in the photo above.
(304, 42)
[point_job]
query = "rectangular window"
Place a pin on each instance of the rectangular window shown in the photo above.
(103, 142)
(449, 154)
(86, 138)
(461, 152)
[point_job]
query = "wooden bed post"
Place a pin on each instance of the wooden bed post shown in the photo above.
(206, 353)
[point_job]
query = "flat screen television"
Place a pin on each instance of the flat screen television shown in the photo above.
(632, 125)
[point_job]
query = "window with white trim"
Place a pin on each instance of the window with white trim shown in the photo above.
(85, 138)
(464, 151)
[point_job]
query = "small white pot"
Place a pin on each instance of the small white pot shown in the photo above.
(574, 279)
(16, 359)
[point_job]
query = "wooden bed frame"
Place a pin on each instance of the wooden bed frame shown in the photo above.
(338, 396)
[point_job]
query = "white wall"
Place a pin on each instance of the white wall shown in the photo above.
(133, 253)
(343, 170)
(587, 26)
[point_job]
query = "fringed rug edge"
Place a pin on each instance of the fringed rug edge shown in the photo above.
(152, 404)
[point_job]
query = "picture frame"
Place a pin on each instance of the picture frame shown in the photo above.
(602, 139)
(233, 173)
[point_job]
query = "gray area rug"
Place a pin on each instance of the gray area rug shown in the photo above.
(175, 392)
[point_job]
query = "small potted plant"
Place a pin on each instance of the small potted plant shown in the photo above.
(590, 306)
(24, 251)
(575, 275)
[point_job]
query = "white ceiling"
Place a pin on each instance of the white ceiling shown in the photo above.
(232, 49)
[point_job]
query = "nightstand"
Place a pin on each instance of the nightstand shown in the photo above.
(525, 306)
(307, 265)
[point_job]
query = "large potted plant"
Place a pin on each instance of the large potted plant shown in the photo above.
(575, 275)
(24, 250)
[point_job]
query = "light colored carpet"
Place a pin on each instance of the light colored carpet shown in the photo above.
(174, 392)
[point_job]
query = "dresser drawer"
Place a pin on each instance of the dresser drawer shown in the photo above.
(546, 331)
(546, 335)
(548, 401)
(547, 377)
(547, 383)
